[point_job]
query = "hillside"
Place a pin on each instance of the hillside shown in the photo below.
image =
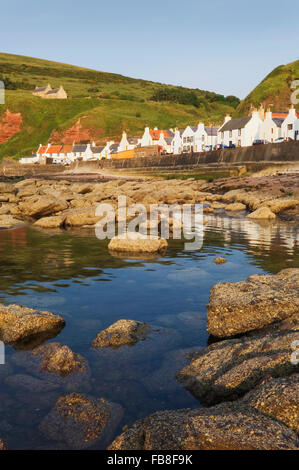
(99, 107)
(274, 89)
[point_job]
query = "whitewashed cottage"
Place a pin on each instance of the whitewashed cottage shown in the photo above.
(270, 129)
(241, 132)
(289, 125)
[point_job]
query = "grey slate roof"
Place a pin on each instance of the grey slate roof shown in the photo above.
(168, 140)
(79, 148)
(50, 92)
(113, 148)
(278, 121)
(233, 124)
(133, 140)
(211, 130)
(37, 90)
(97, 149)
(194, 128)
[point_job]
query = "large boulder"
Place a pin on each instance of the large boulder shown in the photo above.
(81, 216)
(40, 206)
(261, 300)
(21, 325)
(228, 369)
(223, 427)
(80, 421)
(236, 206)
(7, 188)
(121, 333)
(277, 398)
(137, 243)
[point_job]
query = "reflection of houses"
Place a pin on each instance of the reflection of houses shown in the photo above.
(48, 93)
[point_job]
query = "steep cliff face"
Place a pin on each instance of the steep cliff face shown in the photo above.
(77, 133)
(10, 124)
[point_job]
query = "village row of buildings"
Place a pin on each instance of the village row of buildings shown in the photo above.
(259, 127)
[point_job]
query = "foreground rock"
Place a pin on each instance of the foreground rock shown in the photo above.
(3, 446)
(21, 325)
(219, 260)
(80, 421)
(229, 369)
(261, 300)
(121, 333)
(279, 399)
(224, 427)
(136, 242)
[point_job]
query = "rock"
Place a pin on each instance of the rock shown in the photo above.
(136, 242)
(81, 216)
(282, 204)
(237, 206)
(56, 364)
(123, 332)
(20, 324)
(228, 369)
(81, 421)
(262, 213)
(40, 206)
(8, 221)
(219, 260)
(3, 446)
(50, 222)
(223, 427)
(29, 383)
(261, 300)
(277, 398)
(7, 188)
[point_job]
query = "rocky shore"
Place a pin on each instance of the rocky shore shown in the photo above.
(60, 203)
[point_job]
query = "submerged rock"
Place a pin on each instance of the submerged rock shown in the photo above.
(228, 426)
(81, 421)
(19, 325)
(219, 260)
(261, 300)
(236, 206)
(279, 399)
(56, 365)
(123, 332)
(139, 243)
(229, 369)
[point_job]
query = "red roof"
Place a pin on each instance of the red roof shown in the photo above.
(55, 149)
(66, 149)
(282, 115)
(42, 149)
(155, 133)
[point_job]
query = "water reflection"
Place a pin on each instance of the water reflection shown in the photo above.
(73, 274)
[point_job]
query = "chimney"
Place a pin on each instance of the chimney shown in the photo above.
(227, 118)
(268, 113)
(261, 112)
(292, 111)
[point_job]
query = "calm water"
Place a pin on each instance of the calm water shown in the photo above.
(72, 274)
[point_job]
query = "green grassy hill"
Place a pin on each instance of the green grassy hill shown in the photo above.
(273, 90)
(105, 103)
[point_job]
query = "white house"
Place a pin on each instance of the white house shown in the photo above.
(270, 129)
(177, 143)
(196, 138)
(289, 125)
(240, 132)
(127, 143)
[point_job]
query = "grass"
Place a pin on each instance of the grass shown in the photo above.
(274, 89)
(106, 103)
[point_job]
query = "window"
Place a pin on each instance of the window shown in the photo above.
(272, 131)
(239, 132)
(290, 127)
(230, 133)
(222, 135)
(239, 143)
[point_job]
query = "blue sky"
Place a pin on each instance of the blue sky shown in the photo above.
(223, 46)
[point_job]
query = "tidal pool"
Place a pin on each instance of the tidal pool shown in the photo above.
(73, 274)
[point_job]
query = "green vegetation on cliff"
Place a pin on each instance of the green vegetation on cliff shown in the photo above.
(105, 103)
(274, 90)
